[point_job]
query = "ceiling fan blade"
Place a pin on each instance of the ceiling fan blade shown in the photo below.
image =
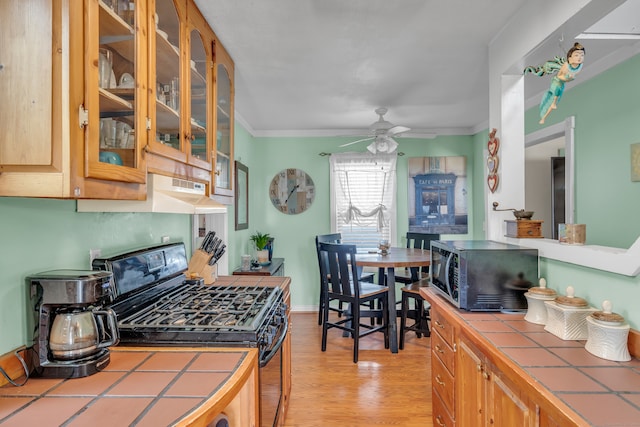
(355, 142)
(397, 129)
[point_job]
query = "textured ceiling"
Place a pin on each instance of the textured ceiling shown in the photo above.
(322, 67)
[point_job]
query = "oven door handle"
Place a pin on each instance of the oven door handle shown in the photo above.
(276, 348)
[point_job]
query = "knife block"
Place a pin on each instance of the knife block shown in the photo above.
(199, 267)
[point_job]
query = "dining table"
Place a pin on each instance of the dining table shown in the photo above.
(386, 264)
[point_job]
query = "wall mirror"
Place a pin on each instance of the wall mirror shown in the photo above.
(241, 199)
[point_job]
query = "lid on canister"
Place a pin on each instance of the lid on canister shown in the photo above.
(542, 290)
(606, 315)
(570, 300)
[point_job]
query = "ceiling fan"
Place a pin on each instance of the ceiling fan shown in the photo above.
(381, 134)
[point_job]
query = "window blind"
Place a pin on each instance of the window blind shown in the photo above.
(363, 197)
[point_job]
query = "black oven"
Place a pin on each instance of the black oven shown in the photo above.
(156, 305)
(271, 386)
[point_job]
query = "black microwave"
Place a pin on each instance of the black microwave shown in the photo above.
(483, 275)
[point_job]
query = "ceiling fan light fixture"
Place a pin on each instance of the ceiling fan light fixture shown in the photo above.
(383, 144)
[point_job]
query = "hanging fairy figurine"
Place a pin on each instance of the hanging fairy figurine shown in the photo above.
(565, 70)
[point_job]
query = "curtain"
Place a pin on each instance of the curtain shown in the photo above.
(363, 197)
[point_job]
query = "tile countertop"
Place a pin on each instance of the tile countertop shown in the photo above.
(148, 386)
(603, 392)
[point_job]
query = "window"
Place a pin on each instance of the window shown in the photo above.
(363, 198)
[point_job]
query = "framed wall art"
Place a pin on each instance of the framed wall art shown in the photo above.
(635, 162)
(241, 202)
(437, 196)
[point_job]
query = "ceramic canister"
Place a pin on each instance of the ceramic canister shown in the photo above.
(608, 334)
(567, 316)
(536, 309)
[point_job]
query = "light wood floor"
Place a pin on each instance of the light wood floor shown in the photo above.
(382, 389)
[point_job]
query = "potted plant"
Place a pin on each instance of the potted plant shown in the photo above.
(261, 240)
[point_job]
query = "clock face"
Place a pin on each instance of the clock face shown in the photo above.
(292, 191)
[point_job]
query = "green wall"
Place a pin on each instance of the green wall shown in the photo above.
(294, 234)
(47, 234)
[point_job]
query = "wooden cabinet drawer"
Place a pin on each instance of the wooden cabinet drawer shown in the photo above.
(442, 383)
(443, 351)
(443, 326)
(441, 417)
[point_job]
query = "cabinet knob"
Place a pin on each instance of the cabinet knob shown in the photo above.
(485, 375)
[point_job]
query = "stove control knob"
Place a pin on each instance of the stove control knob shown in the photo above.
(276, 320)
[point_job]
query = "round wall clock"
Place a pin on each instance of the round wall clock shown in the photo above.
(292, 191)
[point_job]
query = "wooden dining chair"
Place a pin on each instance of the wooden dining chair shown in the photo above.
(341, 283)
(418, 241)
(415, 278)
(363, 276)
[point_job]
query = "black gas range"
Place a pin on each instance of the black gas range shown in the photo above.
(156, 304)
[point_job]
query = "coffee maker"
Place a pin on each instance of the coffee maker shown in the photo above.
(73, 329)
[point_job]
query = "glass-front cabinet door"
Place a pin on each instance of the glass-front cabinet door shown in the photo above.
(223, 174)
(199, 69)
(114, 115)
(166, 67)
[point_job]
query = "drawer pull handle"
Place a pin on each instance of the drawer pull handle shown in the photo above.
(439, 349)
(439, 325)
(439, 421)
(439, 380)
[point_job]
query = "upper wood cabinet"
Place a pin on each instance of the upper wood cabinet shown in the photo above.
(104, 91)
(184, 117)
(53, 134)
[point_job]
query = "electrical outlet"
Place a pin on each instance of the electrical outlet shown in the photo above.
(94, 253)
(165, 239)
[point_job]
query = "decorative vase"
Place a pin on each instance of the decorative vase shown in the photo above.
(263, 256)
(269, 248)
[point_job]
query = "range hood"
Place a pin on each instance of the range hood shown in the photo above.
(164, 195)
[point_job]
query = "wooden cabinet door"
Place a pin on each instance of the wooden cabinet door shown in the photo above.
(485, 397)
(198, 115)
(181, 106)
(27, 82)
(508, 408)
(470, 387)
(224, 119)
(168, 50)
(115, 90)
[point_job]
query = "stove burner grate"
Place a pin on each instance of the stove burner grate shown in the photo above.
(200, 307)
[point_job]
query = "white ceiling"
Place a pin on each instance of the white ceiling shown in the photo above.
(321, 67)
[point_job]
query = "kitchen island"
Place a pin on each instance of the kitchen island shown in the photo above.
(150, 386)
(490, 368)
